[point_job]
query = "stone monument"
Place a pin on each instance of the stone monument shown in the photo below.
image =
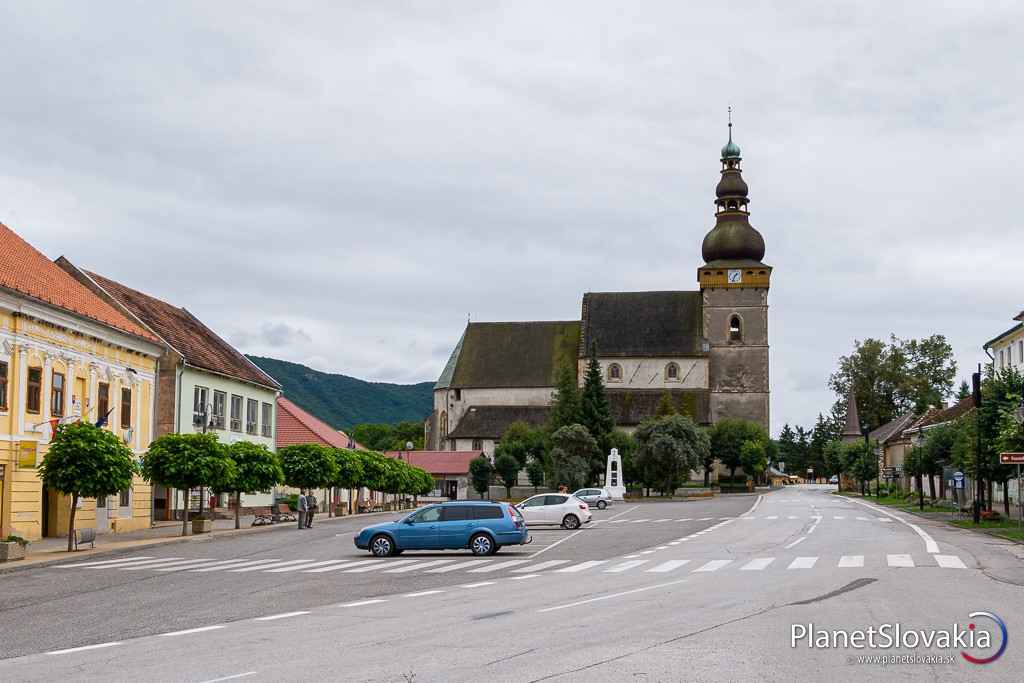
(613, 475)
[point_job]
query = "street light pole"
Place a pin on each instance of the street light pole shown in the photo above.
(976, 393)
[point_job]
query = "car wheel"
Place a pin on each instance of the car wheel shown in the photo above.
(382, 546)
(481, 544)
(571, 522)
(601, 505)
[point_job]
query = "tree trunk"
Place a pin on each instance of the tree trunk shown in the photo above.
(351, 501)
(931, 486)
(202, 496)
(988, 496)
(184, 512)
(71, 522)
(920, 493)
(1006, 497)
(238, 509)
(707, 476)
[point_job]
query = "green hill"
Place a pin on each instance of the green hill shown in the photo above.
(343, 401)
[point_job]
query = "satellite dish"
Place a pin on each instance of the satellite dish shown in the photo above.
(408, 445)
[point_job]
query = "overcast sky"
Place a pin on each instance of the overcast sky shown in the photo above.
(342, 186)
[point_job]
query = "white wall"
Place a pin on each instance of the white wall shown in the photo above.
(445, 400)
(649, 373)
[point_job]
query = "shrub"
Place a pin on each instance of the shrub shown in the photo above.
(16, 539)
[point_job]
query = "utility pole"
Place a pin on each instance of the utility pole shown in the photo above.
(976, 392)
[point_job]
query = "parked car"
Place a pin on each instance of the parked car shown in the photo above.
(482, 526)
(563, 509)
(599, 498)
(834, 479)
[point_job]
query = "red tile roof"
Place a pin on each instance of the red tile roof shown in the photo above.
(197, 344)
(25, 270)
(296, 427)
(438, 462)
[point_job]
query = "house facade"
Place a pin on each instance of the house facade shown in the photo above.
(204, 384)
(450, 470)
(66, 355)
(1007, 350)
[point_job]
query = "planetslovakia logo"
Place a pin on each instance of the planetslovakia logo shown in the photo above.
(1002, 646)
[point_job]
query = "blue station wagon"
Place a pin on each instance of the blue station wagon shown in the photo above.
(481, 526)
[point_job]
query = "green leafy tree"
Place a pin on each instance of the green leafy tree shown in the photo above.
(350, 472)
(668, 448)
(1002, 393)
(572, 445)
(308, 466)
(836, 460)
(256, 469)
(914, 467)
(522, 442)
(596, 414)
(937, 451)
(480, 472)
(507, 469)
(535, 471)
(754, 458)
(188, 461)
(389, 437)
(85, 461)
(862, 462)
(728, 437)
(665, 406)
(566, 408)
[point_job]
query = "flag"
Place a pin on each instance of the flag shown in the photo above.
(102, 422)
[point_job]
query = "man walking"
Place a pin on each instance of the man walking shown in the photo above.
(311, 505)
(303, 506)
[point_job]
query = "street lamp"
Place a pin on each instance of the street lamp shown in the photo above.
(919, 443)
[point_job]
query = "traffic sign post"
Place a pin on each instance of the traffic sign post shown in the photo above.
(1018, 460)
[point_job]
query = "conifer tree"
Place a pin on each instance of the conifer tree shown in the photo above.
(596, 413)
(565, 405)
(665, 406)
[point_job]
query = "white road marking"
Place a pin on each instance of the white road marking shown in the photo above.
(104, 562)
(363, 602)
(206, 563)
(899, 560)
(558, 542)
(646, 552)
(478, 584)
(403, 570)
(422, 593)
(851, 561)
(704, 519)
(838, 517)
(625, 566)
(685, 519)
(372, 567)
(950, 562)
(496, 567)
(611, 596)
(285, 615)
(638, 521)
(749, 517)
(661, 547)
(666, 519)
(297, 567)
(83, 648)
(235, 564)
(341, 565)
(667, 566)
(796, 542)
(177, 564)
(802, 563)
(791, 517)
(618, 521)
(672, 543)
(232, 677)
(261, 567)
(538, 567)
(187, 631)
(757, 564)
(136, 563)
(772, 517)
(883, 519)
(756, 503)
(630, 557)
(712, 566)
(863, 519)
(725, 518)
(582, 566)
(454, 567)
(519, 578)
(929, 543)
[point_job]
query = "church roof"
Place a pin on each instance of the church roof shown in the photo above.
(893, 429)
(632, 406)
(642, 323)
(490, 422)
(516, 354)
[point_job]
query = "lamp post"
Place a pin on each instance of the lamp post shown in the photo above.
(918, 443)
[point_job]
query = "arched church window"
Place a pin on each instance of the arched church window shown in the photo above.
(614, 372)
(735, 329)
(444, 424)
(672, 372)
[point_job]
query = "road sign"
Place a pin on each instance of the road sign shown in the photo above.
(1011, 458)
(958, 476)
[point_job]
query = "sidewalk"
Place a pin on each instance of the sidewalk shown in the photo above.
(49, 551)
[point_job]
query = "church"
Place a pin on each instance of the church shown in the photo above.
(707, 348)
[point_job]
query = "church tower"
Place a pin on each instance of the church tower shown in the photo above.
(734, 291)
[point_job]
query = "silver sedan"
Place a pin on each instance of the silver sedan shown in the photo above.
(599, 498)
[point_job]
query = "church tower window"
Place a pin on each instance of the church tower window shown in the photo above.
(735, 329)
(614, 372)
(444, 424)
(672, 372)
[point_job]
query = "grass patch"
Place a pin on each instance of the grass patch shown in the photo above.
(1006, 528)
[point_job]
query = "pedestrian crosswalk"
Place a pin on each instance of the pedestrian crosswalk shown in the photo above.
(629, 564)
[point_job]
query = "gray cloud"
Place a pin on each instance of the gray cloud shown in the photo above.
(364, 176)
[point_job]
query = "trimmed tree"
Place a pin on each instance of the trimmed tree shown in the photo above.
(185, 461)
(308, 466)
(507, 469)
(350, 472)
(480, 470)
(535, 471)
(753, 458)
(728, 437)
(85, 461)
(256, 469)
(668, 448)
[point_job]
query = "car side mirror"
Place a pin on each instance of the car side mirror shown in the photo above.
(407, 520)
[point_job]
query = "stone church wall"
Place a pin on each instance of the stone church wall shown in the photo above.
(650, 373)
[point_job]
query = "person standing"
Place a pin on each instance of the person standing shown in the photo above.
(311, 505)
(303, 507)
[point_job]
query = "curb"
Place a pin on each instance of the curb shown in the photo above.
(23, 565)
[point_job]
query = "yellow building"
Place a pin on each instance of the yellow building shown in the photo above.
(66, 355)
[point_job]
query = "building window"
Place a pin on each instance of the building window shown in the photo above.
(614, 372)
(220, 400)
(236, 413)
(125, 498)
(57, 394)
(458, 394)
(268, 420)
(252, 409)
(3, 385)
(126, 408)
(199, 407)
(444, 425)
(102, 401)
(35, 390)
(735, 329)
(478, 444)
(672, 372)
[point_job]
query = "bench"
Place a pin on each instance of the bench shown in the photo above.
(263, 516)
(284, 514)
(84, 536)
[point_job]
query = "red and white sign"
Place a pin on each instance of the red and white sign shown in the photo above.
(1011, 458)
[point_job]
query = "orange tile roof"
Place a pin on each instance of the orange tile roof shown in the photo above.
(296, 427)
(26, 271)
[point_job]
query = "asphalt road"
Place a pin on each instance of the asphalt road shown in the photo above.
(703, 590)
